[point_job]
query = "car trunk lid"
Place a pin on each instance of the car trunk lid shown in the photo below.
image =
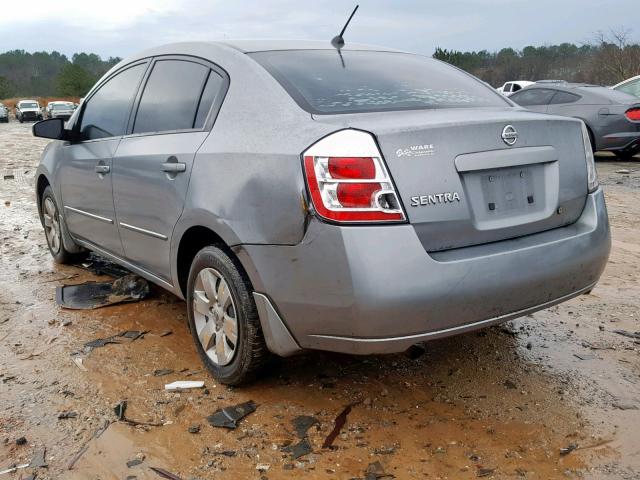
(461, 184)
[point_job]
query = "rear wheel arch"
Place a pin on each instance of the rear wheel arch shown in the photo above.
(194, 239)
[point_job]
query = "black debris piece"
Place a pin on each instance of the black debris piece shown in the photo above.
(568, 449)
(161, 372)
(194, 429)
(133, 463)
(300, 449)
(91, 295)
(375, 471)
(101, 266)
(226, 453)
(510, 385)
(120, 409)
(415, 351)
(585, 356)
(63, 415)
(164, 474)
(99, 342)
(229, 417)
(625, 333)
(338, 424)
(165, 333)
(38, 460)
(485, 472)
(133, 335)
(303, 423)
(21, 441)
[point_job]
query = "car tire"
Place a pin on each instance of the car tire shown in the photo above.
(626, 156)
(223, 318)
(20, 120)
(52, 224)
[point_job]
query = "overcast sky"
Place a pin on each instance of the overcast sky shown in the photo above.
(122, 27)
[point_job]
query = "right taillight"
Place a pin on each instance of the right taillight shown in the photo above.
(592, 174)
(633, 114)
(348, 180)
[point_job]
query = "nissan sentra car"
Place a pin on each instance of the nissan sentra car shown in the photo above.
(300, 197)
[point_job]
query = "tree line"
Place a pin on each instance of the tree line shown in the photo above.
(44, 74)
(607, 60)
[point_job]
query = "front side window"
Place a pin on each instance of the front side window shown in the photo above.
(534, 96)
(507, 88)
(323, 82)
(171, 97)
(107, 111)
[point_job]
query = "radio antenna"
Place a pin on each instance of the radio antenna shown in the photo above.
(338, 40)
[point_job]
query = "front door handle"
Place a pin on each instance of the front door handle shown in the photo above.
(102, 169)
(174, 167)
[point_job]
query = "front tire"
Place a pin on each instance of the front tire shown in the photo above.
(223, 318)
(51, 221)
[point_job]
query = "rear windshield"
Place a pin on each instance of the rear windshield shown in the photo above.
(323, 82)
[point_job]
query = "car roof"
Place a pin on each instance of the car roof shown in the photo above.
(254, 45)
(637, 77)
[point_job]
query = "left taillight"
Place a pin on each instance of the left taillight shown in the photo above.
(633, 114)
(348, 180)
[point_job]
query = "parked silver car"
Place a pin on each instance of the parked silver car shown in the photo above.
(4, 114)
(299, 197)
(62, 110)
(612, 117)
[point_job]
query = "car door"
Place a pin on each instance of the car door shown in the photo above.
(534, 99)
(152, 165)
(84, 175)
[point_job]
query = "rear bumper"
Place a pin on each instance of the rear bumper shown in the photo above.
(628, 142)
(375, 289)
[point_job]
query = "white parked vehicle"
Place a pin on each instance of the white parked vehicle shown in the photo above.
(510, 88)
(630, 86)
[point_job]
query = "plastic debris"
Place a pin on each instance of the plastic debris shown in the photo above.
(568, 449)
(300, 449)
(338, 424)
(91, 295)
(78, 363)
(101, 266)
(229, 417)
(375, 471)
(303, 423)
(184, 385)
(165, 474)
(64, 415)
(160, 372)
(39, 460)
(14, 469)
(120, 409)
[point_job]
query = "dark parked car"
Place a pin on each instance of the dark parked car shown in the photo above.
(298, 198)
(612, 117)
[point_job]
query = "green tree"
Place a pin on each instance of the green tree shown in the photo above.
(7, 88)
(74, 81)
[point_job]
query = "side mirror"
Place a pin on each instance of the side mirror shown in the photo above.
(51, 128)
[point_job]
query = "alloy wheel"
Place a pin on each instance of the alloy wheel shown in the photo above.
(52, 225)
(215, 316)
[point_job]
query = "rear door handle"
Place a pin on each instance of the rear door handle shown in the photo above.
(103, 169)
(174, 167)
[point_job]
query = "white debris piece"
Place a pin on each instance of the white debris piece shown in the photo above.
(184, 385)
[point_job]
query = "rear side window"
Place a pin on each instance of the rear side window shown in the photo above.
(632, 88)
(107, 111)
(211, 91)
(171, 97)
(534, 96)
(564, 97)
(323, 82)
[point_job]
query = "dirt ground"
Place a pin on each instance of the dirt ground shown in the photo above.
(499, 403)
